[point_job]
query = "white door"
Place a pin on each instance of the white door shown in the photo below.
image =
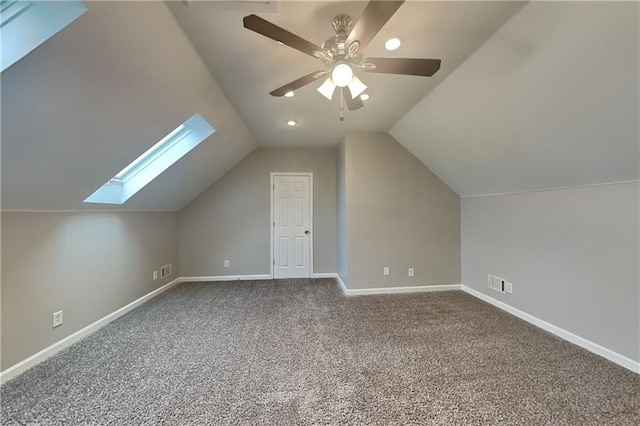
(292, 240)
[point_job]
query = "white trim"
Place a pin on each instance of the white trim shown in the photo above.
(386, 290)
(271, 218)
(560, 332)
(225, 278)
(51, 350)
(343, 286)
(558, 188)
(324, 275)
(395, 290)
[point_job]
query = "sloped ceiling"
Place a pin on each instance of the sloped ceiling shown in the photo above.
(88, 101)
(248, 66)
(551, 100)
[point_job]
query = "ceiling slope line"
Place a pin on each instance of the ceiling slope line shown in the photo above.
(558, 188)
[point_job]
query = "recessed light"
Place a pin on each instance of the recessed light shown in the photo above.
(393, 43)
(364, 96)
(289, 94)
(292, 123)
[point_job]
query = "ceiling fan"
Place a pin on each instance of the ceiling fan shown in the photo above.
(342, 53)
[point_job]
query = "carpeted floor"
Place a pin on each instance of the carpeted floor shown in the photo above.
(299, 352)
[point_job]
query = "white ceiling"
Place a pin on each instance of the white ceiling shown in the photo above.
(248, 65)
(551, 100)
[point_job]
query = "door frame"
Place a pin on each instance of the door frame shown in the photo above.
(272, 218)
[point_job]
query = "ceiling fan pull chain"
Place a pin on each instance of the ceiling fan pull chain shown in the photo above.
(341, 105)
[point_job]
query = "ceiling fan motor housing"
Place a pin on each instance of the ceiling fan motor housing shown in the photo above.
(335, 46)
(342, 24)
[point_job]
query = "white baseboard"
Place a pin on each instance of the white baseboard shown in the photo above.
(49, 351)
(225, 278)
(566, 335)
(391, 290)
(396, 290)
(343, 286)
(332, 275)
(324, 275)
(247, 277)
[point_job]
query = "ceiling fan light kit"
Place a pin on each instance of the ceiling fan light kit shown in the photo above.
(342, 74)
(356, 87)
(327, 88)
(341, 55)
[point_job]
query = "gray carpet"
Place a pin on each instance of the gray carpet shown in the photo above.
(299, 352)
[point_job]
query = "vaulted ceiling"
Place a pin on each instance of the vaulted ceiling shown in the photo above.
(529, 96)
(551, 100)
(248, 66)
(88, 101)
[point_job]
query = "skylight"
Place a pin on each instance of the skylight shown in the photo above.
(151, 154)
(153, 162)
(24, 25)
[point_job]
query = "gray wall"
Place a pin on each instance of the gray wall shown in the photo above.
(572, 255)
(230, 220)
(398, 214)
(87, 264)
(341, 194)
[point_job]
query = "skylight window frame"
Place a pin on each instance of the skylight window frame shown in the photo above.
(12, 9)
(149, 156)
(153, 162)
(25, 25)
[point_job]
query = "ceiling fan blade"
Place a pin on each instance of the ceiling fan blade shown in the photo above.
(375, 15)
(296, 84)
(407, 66)
(274, 32)
(352, 104)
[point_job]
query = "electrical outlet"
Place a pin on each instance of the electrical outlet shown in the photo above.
(226, 263)
(155, 275)
(386, 270)
(412, 272)
(509, 287)
(57, 319)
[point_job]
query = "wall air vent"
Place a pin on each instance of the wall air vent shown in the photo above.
(165, 271)
(496, 283)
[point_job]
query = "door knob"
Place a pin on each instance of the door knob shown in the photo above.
(306, 232)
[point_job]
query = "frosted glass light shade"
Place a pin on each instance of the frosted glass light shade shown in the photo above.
(356, 87)
(342, 75)
(327, 88)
